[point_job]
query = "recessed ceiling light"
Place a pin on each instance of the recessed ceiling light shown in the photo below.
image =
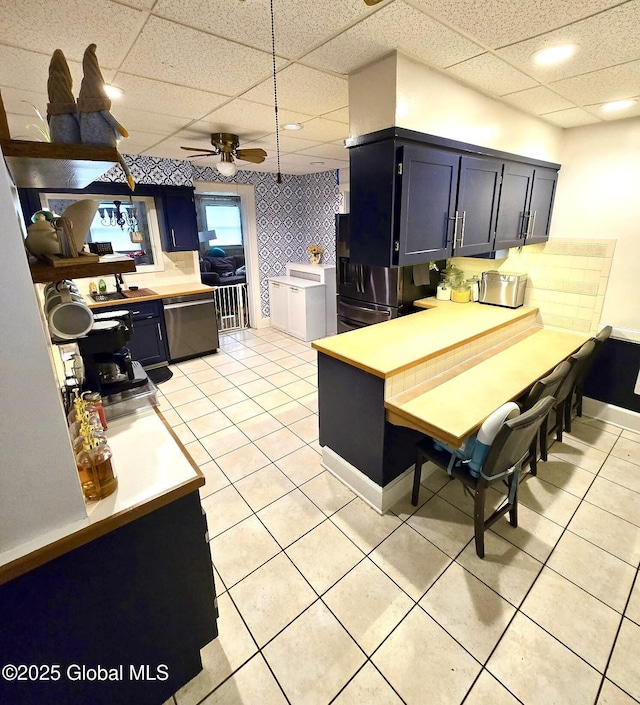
(616, 105)
(113, 91)
(292, 126)
(316, 163)
(553, 55)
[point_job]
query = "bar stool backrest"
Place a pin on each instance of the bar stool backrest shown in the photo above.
(547, 386)
(514, 439)
(577, 361)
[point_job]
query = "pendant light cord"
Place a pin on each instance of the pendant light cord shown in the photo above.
(275, 92)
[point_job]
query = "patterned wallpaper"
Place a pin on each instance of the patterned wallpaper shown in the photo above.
(290, 216)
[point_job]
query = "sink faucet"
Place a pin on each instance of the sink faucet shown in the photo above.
(119, 283)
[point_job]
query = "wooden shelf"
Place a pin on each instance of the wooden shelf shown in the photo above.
(51, 165)
(42, 273)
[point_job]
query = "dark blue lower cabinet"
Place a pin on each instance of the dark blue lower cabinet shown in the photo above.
(148, 343)
(121, 619)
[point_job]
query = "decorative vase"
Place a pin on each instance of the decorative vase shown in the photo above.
(315, 257)
(42, 239)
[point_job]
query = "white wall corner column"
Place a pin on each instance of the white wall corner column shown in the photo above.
(39, 485)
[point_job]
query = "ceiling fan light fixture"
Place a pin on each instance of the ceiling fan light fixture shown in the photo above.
(226, 166)
(616, 105)
(554, 55)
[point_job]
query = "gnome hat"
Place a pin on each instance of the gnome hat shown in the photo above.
(61, 100)
(92, 96)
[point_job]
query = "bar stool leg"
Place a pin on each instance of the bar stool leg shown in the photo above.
(544, 435)
(417, 474)
(478, 519)
(533, 451)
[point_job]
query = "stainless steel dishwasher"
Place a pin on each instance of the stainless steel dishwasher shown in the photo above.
(192, 327)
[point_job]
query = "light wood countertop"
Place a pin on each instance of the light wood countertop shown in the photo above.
(399, 344)
(159, 292)
(153, 469)
(450, 407)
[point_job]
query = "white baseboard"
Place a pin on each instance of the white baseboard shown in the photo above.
(262, 323)
(611, 414)
(379, 498)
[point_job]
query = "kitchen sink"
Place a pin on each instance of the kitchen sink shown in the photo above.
(112, 296)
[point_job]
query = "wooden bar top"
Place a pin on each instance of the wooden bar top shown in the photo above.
(453, 406)
(399, 344)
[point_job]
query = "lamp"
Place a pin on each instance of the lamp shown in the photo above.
(226, 166)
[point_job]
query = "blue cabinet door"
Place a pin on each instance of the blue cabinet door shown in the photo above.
(181, 233)
(429, 180)
(543, 192)
(513, 208)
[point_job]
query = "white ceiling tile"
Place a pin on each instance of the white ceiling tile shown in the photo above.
(158, 97)
(538, 100)
(71, 25)
(632, 111)
(303, 89)
(26, 70)
(341, 115)
(323, 130)
(499, 23)
(169, 149)
(250, 22)
(614, 83)
(611, 37)
(20, 102)
(491, 74)
(287, 144)
(396, 26)
(140, 4)
(573, 117)
(138, 141)
(169, 52)
(243, 117)
(330, 151)
(153, 123)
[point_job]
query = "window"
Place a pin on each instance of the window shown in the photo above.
(116, 221)
(219, 221)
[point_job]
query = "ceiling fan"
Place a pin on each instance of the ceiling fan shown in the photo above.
(226, 144)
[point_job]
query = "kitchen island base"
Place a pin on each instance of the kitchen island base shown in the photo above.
(138, 602)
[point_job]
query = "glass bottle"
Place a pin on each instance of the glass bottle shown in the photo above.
(95, 468)
(92, 419)
(94, 403)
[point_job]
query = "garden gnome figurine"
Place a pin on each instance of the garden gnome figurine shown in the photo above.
(97, 124)
(62, 112)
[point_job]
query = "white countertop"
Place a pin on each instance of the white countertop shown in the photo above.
(149, 465)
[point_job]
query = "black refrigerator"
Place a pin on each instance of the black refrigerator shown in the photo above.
(368, 295)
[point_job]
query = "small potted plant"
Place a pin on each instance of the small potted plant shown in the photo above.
(315, 253)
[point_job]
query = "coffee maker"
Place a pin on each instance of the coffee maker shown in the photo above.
(108, 366)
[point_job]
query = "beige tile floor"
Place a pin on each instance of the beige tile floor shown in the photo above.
(323, 601)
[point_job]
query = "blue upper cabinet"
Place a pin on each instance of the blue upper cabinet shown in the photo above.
(526, 202)
(416, 198)
(477, 206)
(429, 179)
(181, 228)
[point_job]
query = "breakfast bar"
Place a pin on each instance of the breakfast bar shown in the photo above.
(439, 372)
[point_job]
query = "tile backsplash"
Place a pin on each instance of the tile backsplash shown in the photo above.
(567, 279)
(407, 379)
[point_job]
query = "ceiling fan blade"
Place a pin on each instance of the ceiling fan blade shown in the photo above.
(208, 154)
(251, 155)
(200, 149)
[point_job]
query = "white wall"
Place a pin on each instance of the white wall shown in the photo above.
(39, 487)
(599, 196)
(428, 101)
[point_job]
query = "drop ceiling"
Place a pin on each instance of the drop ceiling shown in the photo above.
(192, 67)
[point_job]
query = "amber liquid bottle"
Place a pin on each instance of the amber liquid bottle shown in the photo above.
(95, 468)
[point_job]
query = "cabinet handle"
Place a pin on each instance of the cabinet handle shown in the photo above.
(275, 285)
(159, 331)
(173, 237)
(293, 288)
(533, 226)
(464, 216)
(455, 228)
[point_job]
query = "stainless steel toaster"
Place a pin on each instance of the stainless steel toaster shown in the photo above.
(502, 288)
